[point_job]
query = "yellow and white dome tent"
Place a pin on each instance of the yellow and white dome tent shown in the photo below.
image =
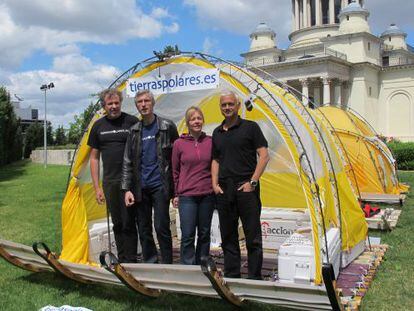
(297, 175)
(370, 163)
(305, 173)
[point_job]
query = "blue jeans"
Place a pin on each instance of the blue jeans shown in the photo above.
(154, 198)
(195, 213)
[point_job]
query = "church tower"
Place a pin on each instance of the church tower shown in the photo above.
(316, 19)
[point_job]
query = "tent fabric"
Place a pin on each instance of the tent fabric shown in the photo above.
(300, 174)
(370, 163)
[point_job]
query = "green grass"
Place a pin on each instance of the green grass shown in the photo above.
(30, 200)
(393, 288)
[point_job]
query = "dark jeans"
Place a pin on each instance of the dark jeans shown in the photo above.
(123, 220)
(247, 206)
(195, 213)
(154, 198)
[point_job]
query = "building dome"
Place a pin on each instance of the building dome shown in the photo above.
(393, 30)
(263, 37)
(354, 8)
(394, 37)
(262, 29)
(353, 19)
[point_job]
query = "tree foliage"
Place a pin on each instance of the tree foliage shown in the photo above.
(78, 127)
(60, 136)
(10, 130)
(34, 138)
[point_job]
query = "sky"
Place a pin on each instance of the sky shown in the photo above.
(83, 45)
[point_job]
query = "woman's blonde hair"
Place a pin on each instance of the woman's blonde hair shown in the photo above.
(190, 111)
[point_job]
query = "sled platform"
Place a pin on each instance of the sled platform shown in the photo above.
(354, 280)
(207, 281)
(387, 219)
(23, 256)
(383, 198)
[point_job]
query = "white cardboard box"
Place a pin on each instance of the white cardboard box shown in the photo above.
(98, 239)
(296, 263)
(278, 224)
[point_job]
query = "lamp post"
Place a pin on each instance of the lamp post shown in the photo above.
(44, 88)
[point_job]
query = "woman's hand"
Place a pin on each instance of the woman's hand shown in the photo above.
(217, 189)
(175, 202)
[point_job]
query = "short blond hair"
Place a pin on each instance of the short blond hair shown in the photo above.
(190, 111)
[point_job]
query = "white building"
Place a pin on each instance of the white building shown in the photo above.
(334, 59)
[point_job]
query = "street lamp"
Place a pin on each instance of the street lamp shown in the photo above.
(44, 88)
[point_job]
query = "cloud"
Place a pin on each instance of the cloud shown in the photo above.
(385, 12)
(242, 16)
(173, 28)
(211, 46)
(76, 79)
(57, 26)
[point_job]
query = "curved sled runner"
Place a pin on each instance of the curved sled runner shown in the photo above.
(23, 256)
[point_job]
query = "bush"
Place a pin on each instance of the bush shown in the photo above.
(11, 139)
(404, 154)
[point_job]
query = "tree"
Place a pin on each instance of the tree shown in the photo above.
(60, 136)
(49, 134)
(10, 130)
(34, 138)
(78, 127)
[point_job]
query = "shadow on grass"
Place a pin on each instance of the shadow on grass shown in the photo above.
(13, 170)
(133, 301)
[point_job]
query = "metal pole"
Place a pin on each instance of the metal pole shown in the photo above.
(45, 136)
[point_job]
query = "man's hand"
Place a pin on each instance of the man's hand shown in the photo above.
(217, 189)
(100, 197)
(129, 198)
(246, 187)
(175, 201)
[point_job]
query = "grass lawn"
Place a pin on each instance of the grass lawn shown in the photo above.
(30, 200)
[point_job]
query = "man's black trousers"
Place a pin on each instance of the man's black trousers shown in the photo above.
(123, 220)
(247, 206)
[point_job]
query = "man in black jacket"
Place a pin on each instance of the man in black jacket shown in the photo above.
(147, 177)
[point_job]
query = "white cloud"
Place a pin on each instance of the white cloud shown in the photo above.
(173, 28)
(75, 78)
(385, 12)
(242, 16)
(208, 44)
(160, 13)
(57, 26)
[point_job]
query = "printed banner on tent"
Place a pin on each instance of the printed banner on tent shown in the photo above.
(175, 82)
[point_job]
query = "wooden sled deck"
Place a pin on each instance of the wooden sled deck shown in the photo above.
(383, 198)
(154, 279)
(387, 219)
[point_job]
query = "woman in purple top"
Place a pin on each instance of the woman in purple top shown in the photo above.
(191, 162)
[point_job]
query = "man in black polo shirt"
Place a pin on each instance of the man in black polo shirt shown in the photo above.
(107, 138)
(235, 176)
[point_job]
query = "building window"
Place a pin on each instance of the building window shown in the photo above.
(347, 17)
(370, 91)
(369, 46)
(389, 38)
(255, 37)
(385, 61)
